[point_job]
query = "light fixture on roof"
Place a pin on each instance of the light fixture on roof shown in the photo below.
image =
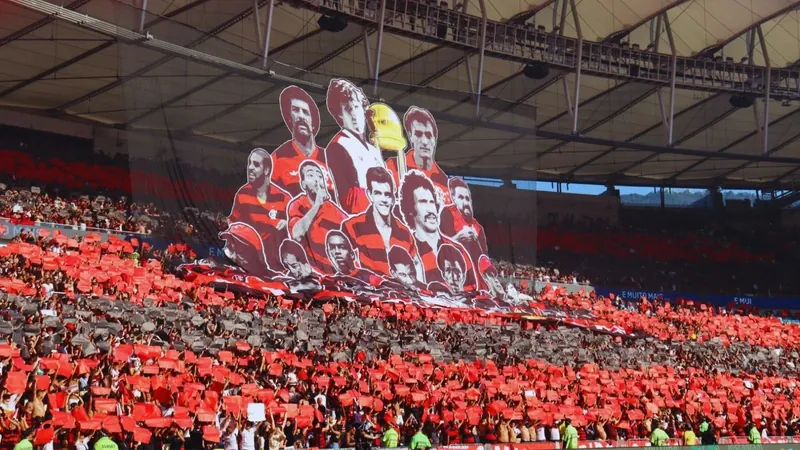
(536, 70)
(335, 24)
(741, 100)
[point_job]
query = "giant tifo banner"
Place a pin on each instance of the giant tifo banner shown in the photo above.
(340, 216)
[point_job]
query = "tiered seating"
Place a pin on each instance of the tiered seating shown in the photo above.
(149, 352)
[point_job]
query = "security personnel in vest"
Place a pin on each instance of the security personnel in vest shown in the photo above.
(659, 437)
(570, 436)
(753, 436)
(24, 440)
(105, 443)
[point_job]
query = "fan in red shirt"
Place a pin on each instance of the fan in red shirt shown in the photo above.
(420, 208)
(262, 205)
(376, 230)
(301, 116)
(312, 215)
(422, 135)
(459, 224)
(349, 155)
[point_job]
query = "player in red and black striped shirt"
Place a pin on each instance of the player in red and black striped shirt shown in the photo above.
(312, 215)
(262, 205)
(376, 230)
(422, 135)
(420, 207)
(301, 116)
(459, 224)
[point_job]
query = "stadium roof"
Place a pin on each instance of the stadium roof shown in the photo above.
(82, 68)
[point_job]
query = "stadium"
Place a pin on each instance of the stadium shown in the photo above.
(346, 224)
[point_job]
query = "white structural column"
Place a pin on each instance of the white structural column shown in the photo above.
(481, 55)
(378, 46)
(578, 65)
(673, 73)
(143, 15)
(268, 31)
(767, 83)
(259, 32)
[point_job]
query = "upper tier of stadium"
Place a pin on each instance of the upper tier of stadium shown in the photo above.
(723, 71)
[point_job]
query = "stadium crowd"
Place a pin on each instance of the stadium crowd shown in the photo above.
(113, 340)
(117, 343)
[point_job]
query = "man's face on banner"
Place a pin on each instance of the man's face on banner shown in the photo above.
(405, 274)
(454, 275)
(382, 197)
(256, 171)
(495, 285)
(463, 201)
(353, 116)
(341, 254)
(313, 181)
(427, 214)
(297, 268)
(240, 253)
(301, 120)
(423, 142)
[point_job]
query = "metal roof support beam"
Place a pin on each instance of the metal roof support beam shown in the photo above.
(254, 73)
(78, 58)
(673, 76)
(267, 30)
(122, 80)
(655, 41)
(579, 63)
(257, 23)
(481, 58)
(750, 39)
(217, 79)
(39, 24)
(555, 15)
(142, 16)
(470, 79)
(368, 55)
(767, 85)
(379, 46)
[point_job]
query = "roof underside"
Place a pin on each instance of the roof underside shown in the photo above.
(56, 66)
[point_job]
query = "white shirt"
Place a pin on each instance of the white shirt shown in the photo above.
(232, 440)
(540, 436)
(322, 400)
(82, 444)
(249, 438)
(555, 435)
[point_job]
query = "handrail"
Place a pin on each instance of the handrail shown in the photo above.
(438, 25)
(9, 229)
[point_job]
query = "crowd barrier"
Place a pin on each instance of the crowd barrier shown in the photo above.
(725, 443)
(764, 303)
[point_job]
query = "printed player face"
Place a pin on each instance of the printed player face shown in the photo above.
(495, 286)
(423, 142)
(313, 180)
(354, 116)
(454, 275)
(381, 196)
(427, 215)
(297, 268)
(463, 201)
(404, 274)
(340, 253)
(255, 168)
(301, 119)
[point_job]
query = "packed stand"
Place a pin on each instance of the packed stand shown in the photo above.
(115, 339)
